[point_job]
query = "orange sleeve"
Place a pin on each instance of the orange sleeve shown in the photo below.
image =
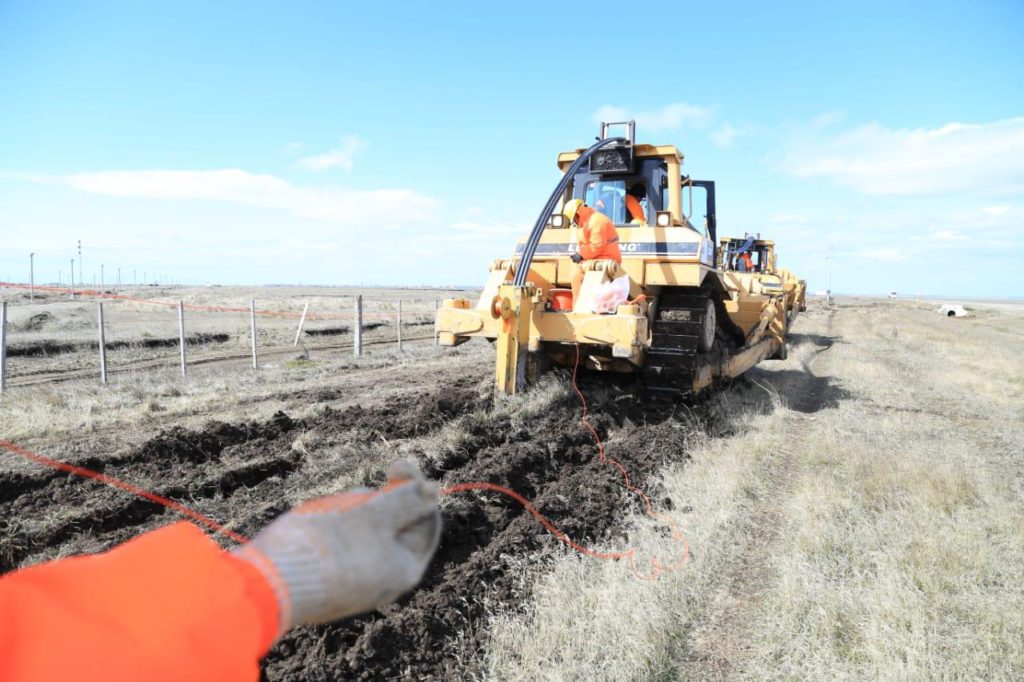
(167, 605)
(592, 241)
(636, 211)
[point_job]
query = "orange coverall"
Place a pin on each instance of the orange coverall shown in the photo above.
(635, 210)
(599, 240)
(167, 605)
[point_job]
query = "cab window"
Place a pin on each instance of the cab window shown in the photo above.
(608, 197)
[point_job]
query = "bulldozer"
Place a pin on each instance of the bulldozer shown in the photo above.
(749, 265)
(668, 313)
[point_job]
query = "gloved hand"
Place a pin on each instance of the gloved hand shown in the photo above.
(350, 553)
(576, 258)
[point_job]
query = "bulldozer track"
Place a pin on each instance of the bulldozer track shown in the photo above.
(55, 376)
(674, 355)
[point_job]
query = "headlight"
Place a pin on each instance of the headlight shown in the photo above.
(663, 218)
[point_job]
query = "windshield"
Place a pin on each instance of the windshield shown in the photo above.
(609, 197)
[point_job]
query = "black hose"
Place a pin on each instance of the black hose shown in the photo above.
(523, 268)
(730, 251)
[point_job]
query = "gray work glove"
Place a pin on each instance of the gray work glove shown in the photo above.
(350, 553)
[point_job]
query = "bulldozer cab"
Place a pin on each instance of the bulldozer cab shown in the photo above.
(641, 186)
(747, 254)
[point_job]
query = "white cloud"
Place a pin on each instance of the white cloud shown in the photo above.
(491, 228)
(886, 254)
(954, 158)
(385, 207)
(292, 148)
(996, 210)
(948, 236)
(669, 117)
(342, 157)
(788, 218)
(725, 134)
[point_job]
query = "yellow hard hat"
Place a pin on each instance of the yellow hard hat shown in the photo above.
(571, 207)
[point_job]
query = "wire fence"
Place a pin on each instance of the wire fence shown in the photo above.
(70, 334)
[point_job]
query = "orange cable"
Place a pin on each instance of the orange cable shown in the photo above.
(657, 567)
(127, 487)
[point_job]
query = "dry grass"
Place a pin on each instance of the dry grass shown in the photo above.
(874, 528)
(135, 404)
(55, 320)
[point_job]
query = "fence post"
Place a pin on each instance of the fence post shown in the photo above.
(3, 346)
(437, 336)
(399, 326)
(103, 344)
(357, 329)
(302, 320)
(252, 322)
(181, 334)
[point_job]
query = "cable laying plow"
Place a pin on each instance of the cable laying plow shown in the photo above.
(675, 310)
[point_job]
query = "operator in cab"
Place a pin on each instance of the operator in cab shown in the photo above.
(634, 195)
(598, 241)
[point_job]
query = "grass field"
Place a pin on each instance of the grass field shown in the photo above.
(868, 524)
(855, 511)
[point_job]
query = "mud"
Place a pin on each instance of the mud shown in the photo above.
(37, 322)
(49, 347)
(252, 472)
(327, 331)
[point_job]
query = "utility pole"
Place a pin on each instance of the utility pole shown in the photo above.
(32, 277)
(101, 277)
(81, 276)
(71, 287)
(119, 279)
(828, 291)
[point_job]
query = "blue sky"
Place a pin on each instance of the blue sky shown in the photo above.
(412, 144)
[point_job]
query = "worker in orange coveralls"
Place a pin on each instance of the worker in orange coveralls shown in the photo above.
(599, 240)
(171, 605)
(634, 195)
(745, 263)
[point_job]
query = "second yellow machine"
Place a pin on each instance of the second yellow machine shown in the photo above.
(667, 311)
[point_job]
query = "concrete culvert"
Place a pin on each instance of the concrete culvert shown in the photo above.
(953, 311)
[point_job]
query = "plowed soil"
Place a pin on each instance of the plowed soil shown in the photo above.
(249, 473)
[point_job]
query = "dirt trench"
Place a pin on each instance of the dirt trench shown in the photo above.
(251, 472)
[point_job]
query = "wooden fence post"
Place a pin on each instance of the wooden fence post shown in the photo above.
(181, 334)
(357, 329)
(103, 344)
(3, 346)
(252, 325)
(302, 321)
(399, 326)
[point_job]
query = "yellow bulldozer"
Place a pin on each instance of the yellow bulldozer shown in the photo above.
(749, 266)
(669, 311)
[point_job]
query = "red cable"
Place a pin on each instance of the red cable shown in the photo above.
(656, 566)
(128, 487)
